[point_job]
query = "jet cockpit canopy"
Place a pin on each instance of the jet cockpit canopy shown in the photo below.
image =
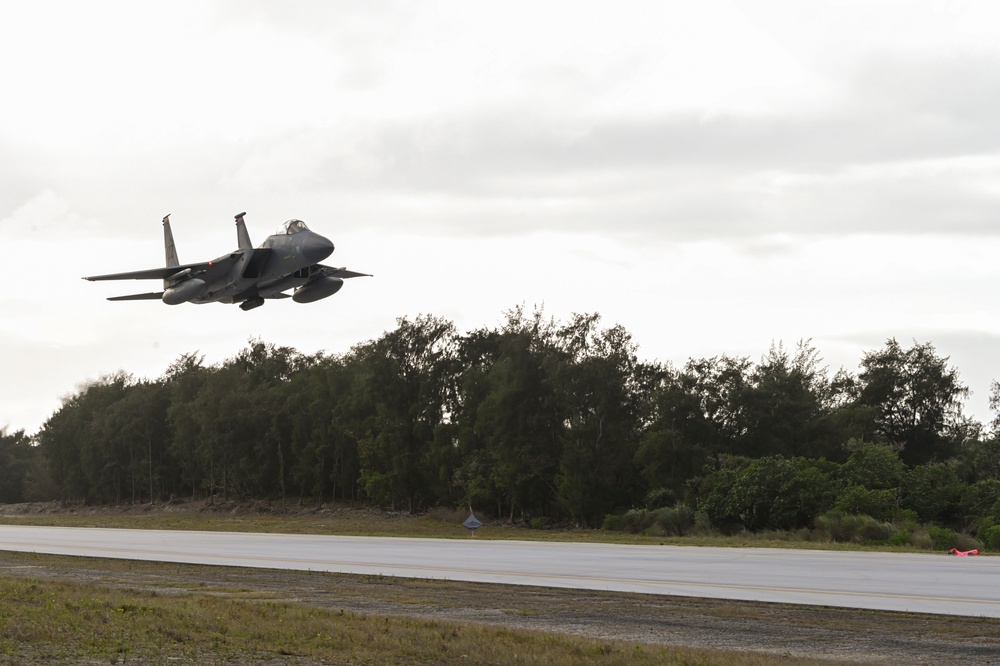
(291, 227)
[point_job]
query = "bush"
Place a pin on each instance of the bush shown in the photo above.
(905, 519)
(938, 538)
(538, 523)
(702, 523)
(920, 539)
(967, 542)
(991, 537)
(942, 537)
(613, 523)
(844, 527)
(900, 538)
(637, 520)
(675, 521)
(655, 530)
(984, 525)
(857, 500)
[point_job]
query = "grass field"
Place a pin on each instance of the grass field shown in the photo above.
(72, 623)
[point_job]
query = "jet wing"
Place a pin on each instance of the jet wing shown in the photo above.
(222, 264)
(343, 273)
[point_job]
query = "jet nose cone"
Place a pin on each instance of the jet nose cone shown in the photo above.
(316, 248)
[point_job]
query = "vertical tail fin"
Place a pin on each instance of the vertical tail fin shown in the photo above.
(242, 237)
(169, 248)
(168, 244)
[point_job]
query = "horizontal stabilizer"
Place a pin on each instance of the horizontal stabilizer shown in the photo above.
(151, 296)
(213, 267)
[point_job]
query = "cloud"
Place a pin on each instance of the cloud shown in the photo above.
(711, 177)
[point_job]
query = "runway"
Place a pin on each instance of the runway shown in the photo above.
(934, 583)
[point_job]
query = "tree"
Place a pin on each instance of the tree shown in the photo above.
(509, 418)
(935, 493)
(604, 391)
(872, 465)
(399, 400)
(15, 461)
(139, 420)
(680, 437)
(770, 493)
(916, 398)
(322, 449)
(785, 403)
(189, 445)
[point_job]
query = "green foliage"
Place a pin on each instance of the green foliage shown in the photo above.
(916, 399)
(872, 465)
(880, 504)
(839, 526)
(659, 497)
(769, 493)
(942, 537)
(637, 520)
(17, 456)
(991, 537)
(899, 538)
(702, 523)
(673, 521)
(935, 493)
(920, 539)
(532, 418)
(613, 523)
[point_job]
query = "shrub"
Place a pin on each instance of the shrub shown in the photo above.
(674, 521)
(900, 538)
(942, 537)
(654, 530)
(984, 525)
(967, 542)
(636, 520)
(857, 500)
(702, 523)
(613, 523)
(844, 527)
(920, 539)
(539, 523)
(991, 537)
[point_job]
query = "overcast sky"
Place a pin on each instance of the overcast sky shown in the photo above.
(712, 175)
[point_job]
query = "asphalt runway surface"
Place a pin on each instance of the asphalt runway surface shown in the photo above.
(933, 583)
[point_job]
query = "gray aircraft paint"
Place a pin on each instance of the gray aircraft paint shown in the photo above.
(288, 259)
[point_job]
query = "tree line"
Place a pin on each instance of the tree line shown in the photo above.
(532, 418)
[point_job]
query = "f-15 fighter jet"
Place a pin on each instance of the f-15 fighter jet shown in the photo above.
(289, 259)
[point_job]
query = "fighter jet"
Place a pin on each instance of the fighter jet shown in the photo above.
(287, 260)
